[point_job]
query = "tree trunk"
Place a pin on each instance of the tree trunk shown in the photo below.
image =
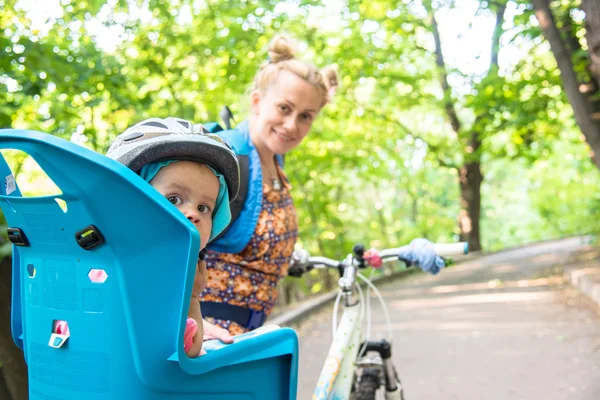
(582, 107)
(589, 85)
(470, 179)
(592, 35)
(14, 369)
(470, 176)
(4, 393)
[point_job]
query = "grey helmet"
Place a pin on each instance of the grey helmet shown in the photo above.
(157, 139)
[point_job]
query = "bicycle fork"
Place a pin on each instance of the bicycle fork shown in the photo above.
(393, 387)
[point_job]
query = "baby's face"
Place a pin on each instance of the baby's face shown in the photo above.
(193, 188)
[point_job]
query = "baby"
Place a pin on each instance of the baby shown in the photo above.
(195, 172)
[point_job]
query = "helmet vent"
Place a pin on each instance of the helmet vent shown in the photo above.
(131, 136)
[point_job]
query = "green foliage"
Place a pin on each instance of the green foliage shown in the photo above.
(554, 197)
(370, 169)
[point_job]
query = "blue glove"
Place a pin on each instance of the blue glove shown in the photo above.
(422, 253)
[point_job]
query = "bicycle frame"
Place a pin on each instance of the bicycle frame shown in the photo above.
(335, 381)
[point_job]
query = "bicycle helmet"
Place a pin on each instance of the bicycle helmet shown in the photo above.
(156, 139)
(155, 143)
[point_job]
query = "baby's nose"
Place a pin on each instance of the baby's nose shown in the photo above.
(193, 216)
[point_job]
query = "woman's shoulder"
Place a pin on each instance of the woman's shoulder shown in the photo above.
(238, 138)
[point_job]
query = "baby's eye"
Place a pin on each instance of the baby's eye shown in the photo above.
(204, 209)
(283, 108)
(176, 200)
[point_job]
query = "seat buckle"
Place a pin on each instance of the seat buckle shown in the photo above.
(89, 237)
(17, 237)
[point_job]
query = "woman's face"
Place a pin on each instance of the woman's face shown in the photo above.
(283, 114)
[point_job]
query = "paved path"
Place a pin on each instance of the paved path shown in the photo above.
(504, 326)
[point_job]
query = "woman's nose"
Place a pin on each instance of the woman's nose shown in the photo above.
(290, 123)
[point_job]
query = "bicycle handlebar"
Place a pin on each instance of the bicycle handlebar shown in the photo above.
(442, 250)
(302, 258)
(318, 260)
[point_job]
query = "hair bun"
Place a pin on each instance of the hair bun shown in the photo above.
(280, 49)
(330, 77)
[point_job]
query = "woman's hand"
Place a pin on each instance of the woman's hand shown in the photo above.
(212, 331)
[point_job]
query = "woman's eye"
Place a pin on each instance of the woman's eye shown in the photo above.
(307, 117)
(283, 108)
(176, 200)
(203, 208)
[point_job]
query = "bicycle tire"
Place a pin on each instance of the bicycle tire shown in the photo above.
(399, 384)
(369, 382)
(401, 389)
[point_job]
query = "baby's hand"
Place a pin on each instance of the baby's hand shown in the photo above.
(191, 328)
(200, 279)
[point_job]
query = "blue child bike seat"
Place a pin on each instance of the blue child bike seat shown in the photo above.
(125, 330)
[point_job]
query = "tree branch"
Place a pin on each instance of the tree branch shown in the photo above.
(496, 37)
(439, 60)
(386, 118)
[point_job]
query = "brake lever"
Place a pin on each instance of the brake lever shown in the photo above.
(296, 271)
(359, 252)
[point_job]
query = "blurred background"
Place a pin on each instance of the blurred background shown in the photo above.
(455, 120)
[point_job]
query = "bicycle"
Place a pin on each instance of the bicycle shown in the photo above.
(357, 367)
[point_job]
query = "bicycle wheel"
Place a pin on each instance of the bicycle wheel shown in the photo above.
(369, 382)
(400, 388)
(399, 384)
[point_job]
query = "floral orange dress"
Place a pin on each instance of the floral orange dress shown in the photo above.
(249, 279)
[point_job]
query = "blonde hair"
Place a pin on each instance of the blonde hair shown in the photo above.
(281, 58)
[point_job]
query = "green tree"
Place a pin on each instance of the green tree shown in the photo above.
(579, 68)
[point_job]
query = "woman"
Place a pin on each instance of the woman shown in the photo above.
(245, 265)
